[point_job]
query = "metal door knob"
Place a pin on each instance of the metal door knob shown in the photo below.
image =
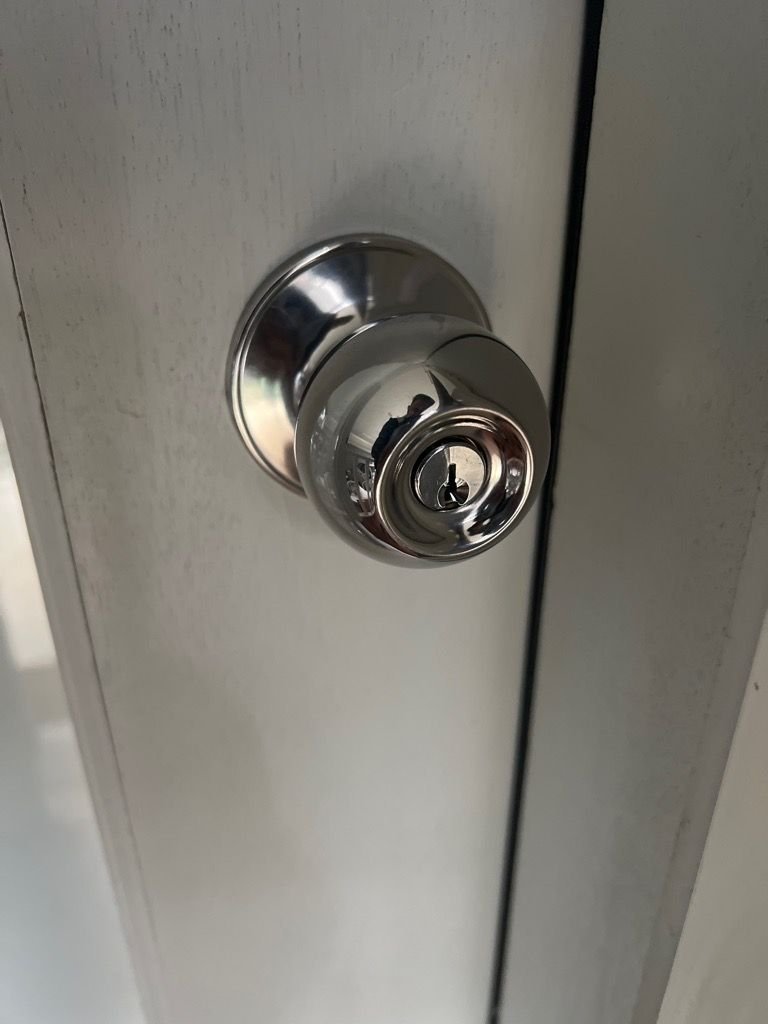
(364, 373)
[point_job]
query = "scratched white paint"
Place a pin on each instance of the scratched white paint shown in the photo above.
(315, 749)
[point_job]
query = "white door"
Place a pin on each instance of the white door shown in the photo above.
(314, 751)
(304, 761)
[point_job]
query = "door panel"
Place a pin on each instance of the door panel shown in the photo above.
(315, 749)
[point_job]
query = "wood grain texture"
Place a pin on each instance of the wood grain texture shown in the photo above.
(656, 587)
(316, 749)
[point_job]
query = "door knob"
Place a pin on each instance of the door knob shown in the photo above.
(364, 374)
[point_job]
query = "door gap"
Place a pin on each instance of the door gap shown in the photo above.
(585, 95)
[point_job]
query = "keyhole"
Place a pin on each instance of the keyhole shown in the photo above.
(452, 479)
(449, 475)
(454, 492)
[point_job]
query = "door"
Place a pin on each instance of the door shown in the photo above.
(313, 751)
(303, 760)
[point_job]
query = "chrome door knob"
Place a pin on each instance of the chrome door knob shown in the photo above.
(364, 374)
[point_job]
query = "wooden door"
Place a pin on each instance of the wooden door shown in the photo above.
(302, 758)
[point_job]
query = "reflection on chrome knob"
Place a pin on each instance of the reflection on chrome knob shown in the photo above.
(364, 373)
